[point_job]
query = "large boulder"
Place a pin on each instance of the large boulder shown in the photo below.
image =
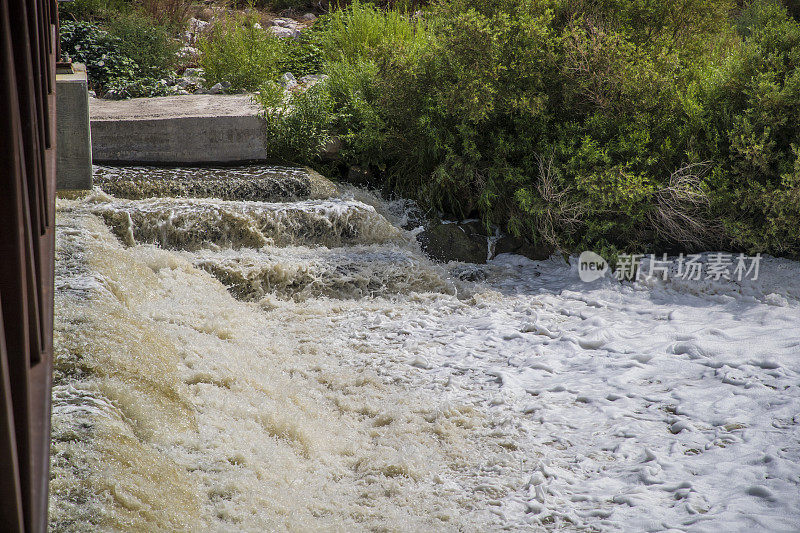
(453, 241)
(516, 245)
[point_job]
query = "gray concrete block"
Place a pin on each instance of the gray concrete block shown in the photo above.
(196, 129)
(74, 145)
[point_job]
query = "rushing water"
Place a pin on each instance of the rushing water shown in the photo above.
(291, 361)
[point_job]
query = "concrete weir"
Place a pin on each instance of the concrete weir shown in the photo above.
(189, 129)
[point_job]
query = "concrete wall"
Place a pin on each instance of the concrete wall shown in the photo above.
(74, 145)
(194, 129)
(220, 139)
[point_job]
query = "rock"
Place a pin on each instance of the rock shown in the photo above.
(206, 14)
(187, 82)
(194, 73)
(284, 33)
(182, 92)
(188, 53)
(310, 80)
(331, 149)
(257, 26)
(516, 245)
(468, 272)
(195, 27)
(220, 88)
(92, 94)
(114, 94)
(309, 17)
(288, 81)
(285, 23)
(453, 241)
(359, 175)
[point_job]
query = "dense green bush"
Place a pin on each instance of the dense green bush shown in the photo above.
(239, 52)
(363, 30)
(617, 125)
(91, 10)
(296, 132)
(85, 42)
(752, 131)
(302, 56)
(148, 44)
(130, 60)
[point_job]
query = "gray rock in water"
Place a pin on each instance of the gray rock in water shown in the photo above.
(466, 242)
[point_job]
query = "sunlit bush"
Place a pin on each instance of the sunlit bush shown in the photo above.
(241, 53)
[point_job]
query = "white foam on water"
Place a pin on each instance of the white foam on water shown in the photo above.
(195, 411)
(537, 401)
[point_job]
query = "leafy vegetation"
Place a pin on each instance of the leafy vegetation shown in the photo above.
(614, 125)
(129, 53)
(240, 53)
(85, 42)
(149, 45)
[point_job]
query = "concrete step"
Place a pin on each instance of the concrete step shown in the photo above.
(188, 129)
(260, 183)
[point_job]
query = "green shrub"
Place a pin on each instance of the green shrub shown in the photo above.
(753, 133)
(640, 126)
(302, 56)
(171, 14)
(363, 31)
(296, 130)
(138, 88)
(240, 53)
(146, 43)
(85, 42)
(91, 10)
(108, 65)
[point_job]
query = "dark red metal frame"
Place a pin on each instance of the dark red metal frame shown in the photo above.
(28, 48)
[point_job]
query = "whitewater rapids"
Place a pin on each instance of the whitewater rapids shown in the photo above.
(227, 365)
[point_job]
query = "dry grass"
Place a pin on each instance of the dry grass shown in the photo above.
(681, 215)
(172, 13)
(560, 215)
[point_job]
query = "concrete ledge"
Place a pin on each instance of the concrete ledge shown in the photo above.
(74, 147)
(194, 129)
